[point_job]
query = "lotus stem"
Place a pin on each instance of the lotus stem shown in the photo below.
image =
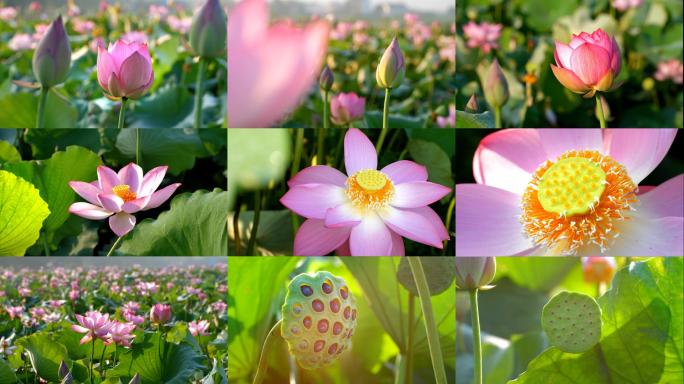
(263, 360)
(599, 108)
(122, 112)
(255, 223)
(497, 117)
(40, 122)
(429, 317)
(199, 92)
(137, 146)
(111, 250)
(385, 122)
(477, 355)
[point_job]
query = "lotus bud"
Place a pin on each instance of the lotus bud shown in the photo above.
(135, 379)
(474, 272)
(208, 30)
(52, 58)
(495, 86)
(472, 106)
(327, 79)
(596, 269)
(606, 109)
(63, 370)
(160, 314)
(390, 71)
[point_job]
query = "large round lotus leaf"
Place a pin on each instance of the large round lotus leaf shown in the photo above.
(22, 213)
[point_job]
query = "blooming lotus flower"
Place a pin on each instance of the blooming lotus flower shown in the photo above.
(6, 347)
(120, 333)
(14, 312)
(52, 59)
(8, 13)
(270, 68)
(670, 69)
(484, 36)
(180, 25)
(208, 30)
(120, 195)
(133, 318)
(392, 67)
(347, 107)
(570, 192)
(597, 269)
(94, 324)
(368, 211)
(125, 69)
(21, 42)
(198, 327)
(474, 272)
(589, 63)
(160, 314)
(623, 5)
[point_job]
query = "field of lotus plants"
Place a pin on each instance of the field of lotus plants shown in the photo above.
(112, 64)
(575, 63)
(113, 324)
(595, 320)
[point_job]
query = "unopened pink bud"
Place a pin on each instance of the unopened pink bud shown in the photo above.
(52, 58)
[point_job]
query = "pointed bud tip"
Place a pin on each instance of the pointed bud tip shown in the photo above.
(472, 105)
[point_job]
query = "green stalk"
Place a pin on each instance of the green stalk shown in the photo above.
(320, 148)
(385, 124)
(296, 159)
(137, 146)
(236, 227)
(40, 122)
(92, 356)
(255, 223)
(599, 107)
(497, 117)
(262, 368)
(46, 247)
(409, 344)
(429, 317)
(400, 369)
(449, 215)
(111, 250)
(477, 356)
(199, 92)
(122, 112)
(102, 372)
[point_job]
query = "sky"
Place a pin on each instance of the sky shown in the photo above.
(421, 5)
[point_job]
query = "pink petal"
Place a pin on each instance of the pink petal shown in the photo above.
(576, 42)
(79, 329)
(158, 198)
(110, 202)
(640, 150)
(397, 245)
(404, 171)
(562, 55)
(105, 67)
(370, 238)
(132, 176)
(344, 215)
(665, 200)
(114, 87)
(359, 152)
(136, 205)
(590, 63)
(107, 178)
(120, 51)
(507, 158)
(569, 80)
(86, 190)
(313, 200)
(418, 194)
(487, 222)
(555, 141)
(412, 226)
(642, 236)
(319, 174)
(121, 223)
(430, 215)
(314, 239)
(86, 338)
(343, 250)
(135, 73)
(89, 211)
(152, 179)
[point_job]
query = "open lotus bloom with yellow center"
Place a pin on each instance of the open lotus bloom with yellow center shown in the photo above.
(570, 192)
(120, 195)
(367, 211)
(589, 63)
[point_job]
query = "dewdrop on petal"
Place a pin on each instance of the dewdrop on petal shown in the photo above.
(319, 318)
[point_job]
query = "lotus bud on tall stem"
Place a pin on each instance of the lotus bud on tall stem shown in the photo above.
(496, 90)
(389, 74)
(51, 63)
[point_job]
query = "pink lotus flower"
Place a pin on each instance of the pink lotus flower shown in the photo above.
(135, 37)
(160, 314)
(180, 25)
(596, 269)
(8, 13)
(198, 327)
(368, 211)
(623, 5)
(570, 192)
(120, 333)
(94, 324)
(269, 68)
(125, 69)
(119, 196)
(589, 63)
(484, 35)
(21, 42)
(670, 69)
(131, 317)
(35, 7)
(347, 107)
(14, 312)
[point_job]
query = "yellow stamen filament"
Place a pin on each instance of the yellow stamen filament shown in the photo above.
(124, 192)
(577, 201)
(370, 189)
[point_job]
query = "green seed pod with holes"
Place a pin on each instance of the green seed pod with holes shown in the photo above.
(572, 322)
(319, 317)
